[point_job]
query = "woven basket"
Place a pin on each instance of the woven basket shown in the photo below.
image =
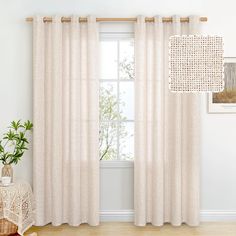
(7, 227)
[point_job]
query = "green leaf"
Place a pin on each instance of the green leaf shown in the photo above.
(15, 140)
(15, 125)
(28, 125)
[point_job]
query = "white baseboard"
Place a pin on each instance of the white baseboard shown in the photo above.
(205, 216)
(117, 216)
(217, 216)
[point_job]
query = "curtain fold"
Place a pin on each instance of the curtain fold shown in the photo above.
(66, 121)
(167, 145)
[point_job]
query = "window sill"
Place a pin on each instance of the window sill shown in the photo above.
(116, 164)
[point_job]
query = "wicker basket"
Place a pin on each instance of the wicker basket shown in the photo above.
(7, 227)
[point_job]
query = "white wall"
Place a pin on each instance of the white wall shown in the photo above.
(218, 174)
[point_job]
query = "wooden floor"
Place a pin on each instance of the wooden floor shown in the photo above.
(128, 229)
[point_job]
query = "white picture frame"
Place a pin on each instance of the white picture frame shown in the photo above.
(225, 102)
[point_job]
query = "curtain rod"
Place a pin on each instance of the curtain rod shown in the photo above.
(147, 19)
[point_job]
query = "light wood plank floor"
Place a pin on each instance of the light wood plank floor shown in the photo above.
(128, 229)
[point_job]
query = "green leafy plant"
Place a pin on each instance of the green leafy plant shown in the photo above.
(14, 142)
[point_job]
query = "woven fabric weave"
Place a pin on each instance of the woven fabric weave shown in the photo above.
(196, 63)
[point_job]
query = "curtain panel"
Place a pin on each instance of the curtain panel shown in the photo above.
(66, 121)
(167, 132)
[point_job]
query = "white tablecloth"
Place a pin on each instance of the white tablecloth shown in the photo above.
(17, 205)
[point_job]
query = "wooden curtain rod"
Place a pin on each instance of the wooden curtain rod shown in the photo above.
(147, 19)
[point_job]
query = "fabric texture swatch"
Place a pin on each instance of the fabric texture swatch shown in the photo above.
(196, 63)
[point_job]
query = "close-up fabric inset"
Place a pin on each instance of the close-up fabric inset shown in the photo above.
(196, 63)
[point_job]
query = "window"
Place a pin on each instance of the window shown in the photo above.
(117, 98)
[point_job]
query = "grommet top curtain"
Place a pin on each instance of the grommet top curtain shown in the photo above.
(66, 121)
(167, 144)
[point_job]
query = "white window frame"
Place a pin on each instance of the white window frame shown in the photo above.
(109, 36)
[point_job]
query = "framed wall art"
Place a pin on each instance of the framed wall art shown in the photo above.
(225, 102)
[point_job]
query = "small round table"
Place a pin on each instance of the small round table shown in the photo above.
(17, 206)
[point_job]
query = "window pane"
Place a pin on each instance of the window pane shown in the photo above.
(126, 63)
(109, 59)
(108, 140)
(126, 145)
(117, 100)
(108, 101)
(127, 100)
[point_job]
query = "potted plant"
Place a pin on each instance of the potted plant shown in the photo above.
(13, 145)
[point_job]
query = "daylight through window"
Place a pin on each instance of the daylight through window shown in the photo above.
(117, 99)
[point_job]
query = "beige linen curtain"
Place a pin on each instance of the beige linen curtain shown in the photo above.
(166, 131)
(66, 121)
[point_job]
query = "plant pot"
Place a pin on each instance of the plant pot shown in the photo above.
(7, 170)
